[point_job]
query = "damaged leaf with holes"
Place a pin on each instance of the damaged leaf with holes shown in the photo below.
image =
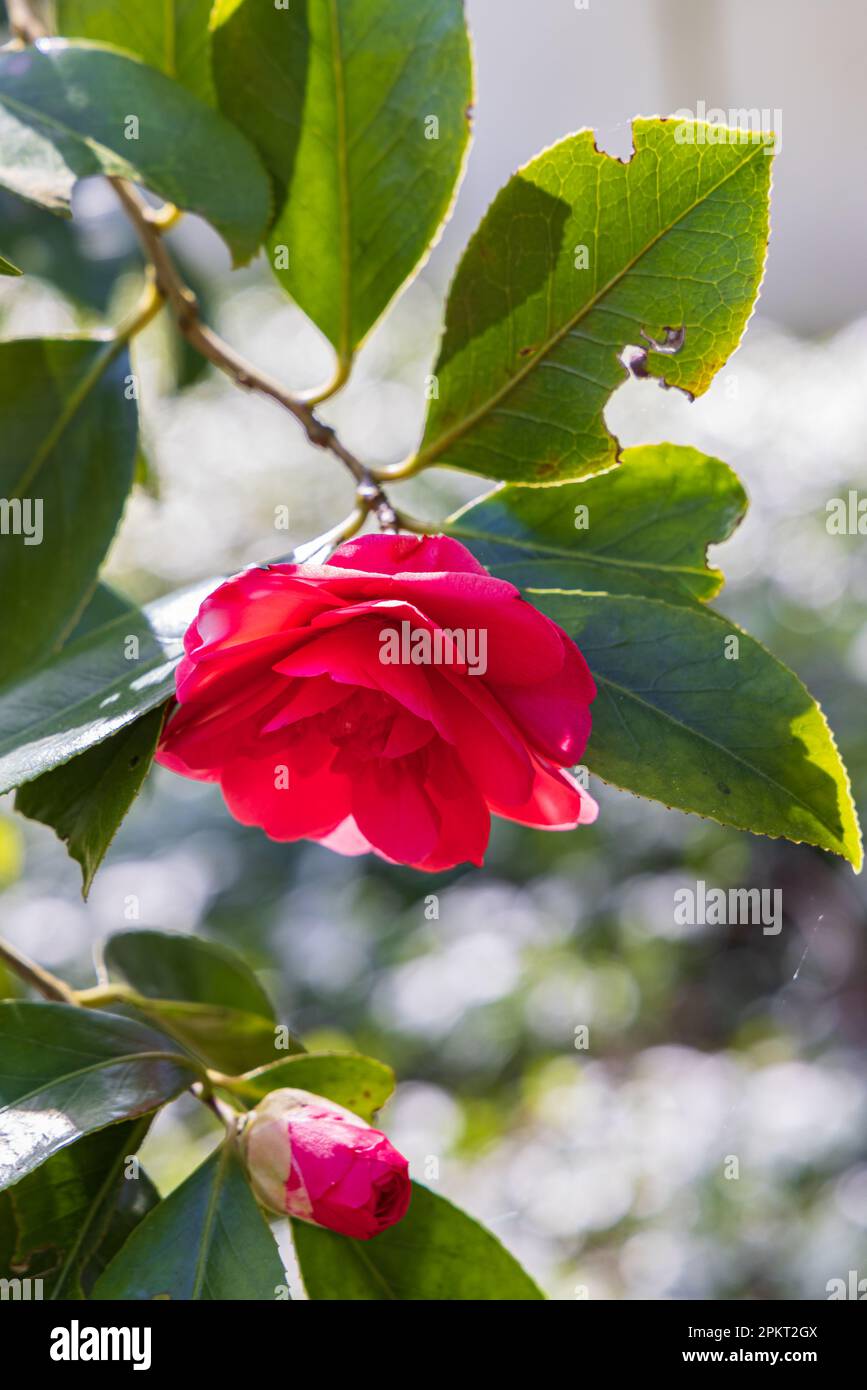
(581, 258)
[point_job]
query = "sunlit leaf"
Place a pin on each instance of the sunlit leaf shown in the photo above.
(360, 1084)
(579, 257)
(642, 528)
(171, 35)
(359, 109)
(693, 712)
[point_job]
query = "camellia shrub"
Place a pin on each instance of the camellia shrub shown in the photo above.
(390, 686)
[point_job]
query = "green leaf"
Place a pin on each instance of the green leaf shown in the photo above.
(66, 467)
(85, 800)
(360, 1084)
(7, 268)
(738, 739)
(94, 686)
(65, 1072)
(136, 1200)
(645, 531)
(65, 112)
(675, 239)
(208, 1241)
(335, 94)
(69, 1212)
(435, 1253)
(171, 965)
(145, 475)
(228, 1039)
(201, 993)
(171, 35)
(104, 605)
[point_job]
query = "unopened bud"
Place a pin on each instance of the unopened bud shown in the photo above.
(314, 1160)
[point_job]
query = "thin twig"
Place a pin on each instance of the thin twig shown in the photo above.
(183, 304)
(48, 985)
(24, 22)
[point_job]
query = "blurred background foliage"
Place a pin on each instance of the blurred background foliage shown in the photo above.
(603, 1168)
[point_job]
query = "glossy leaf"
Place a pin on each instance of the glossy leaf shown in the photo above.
(7, 268)
(435, 1253)
(171, 965)
(85, 800)
(118, 664)
(65, 1072)
(337, 95)
(69, 1212)
(360, 1084)
(645, 530)
(171, 35)
(65, 113)
(208, 1240)
(105, 677)
(579, 257)
(66, 467)
(679, 719)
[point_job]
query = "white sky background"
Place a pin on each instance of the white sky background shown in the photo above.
(545, 68)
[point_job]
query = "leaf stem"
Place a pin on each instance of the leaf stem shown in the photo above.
(184, 305)
(48, 985)
(97, 996)
(149, 305)
(24, 22)
(234, 1084)
(338, 380)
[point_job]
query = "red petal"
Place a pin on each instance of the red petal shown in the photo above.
(406, 555)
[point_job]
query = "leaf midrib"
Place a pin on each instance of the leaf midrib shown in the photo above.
(576, 556)
(200, 1275)
(93, 1211)
(378, 1277)
(342, 153)
(121, 1059)
(444, 441)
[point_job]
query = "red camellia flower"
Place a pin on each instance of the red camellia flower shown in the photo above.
(388, 700)
(313, 1160)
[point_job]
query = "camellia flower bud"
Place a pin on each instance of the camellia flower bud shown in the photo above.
(311, 1159)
